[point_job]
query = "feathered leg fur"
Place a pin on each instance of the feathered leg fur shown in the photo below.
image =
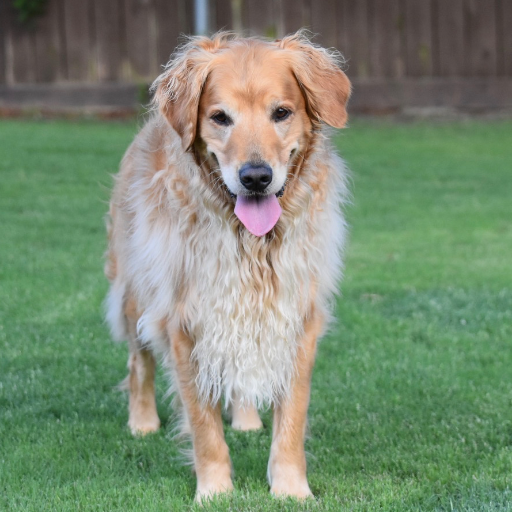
(211, 454)
(287, 464)
(143, 417)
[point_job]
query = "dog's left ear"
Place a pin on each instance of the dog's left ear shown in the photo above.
(178, 89)
(325, 86)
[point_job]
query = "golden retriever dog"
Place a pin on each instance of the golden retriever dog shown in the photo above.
(225, 236)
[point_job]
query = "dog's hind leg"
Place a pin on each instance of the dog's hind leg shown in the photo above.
(244, 417)
(287, 464)
(143, 417)
(211, 454)
(141, 381)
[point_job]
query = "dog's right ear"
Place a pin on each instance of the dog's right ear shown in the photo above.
(178, 89)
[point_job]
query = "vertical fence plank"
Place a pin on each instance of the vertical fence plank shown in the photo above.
(237, 15)
(296, 14)
(80, 60)
(3, 40)
(261, 18)
(500, 36)
(61, 29)
(385, 26)
(324, 22)
(20, 49)
(108, 21)
(506, 24)
(141, 39)
(341, 21)
(48, 45)
(168, 29)
(356, 49)
(480, 37)
(186, 14)
(418, 25)
(450, 23)
(278, 11)
(223, 15)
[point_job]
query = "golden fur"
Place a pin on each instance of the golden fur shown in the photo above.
(230, 313)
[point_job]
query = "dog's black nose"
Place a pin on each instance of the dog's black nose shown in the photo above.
(255, 177)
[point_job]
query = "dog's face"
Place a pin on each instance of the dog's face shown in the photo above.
(252, 120)
(248, 108)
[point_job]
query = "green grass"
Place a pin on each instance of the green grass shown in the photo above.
(412, 393)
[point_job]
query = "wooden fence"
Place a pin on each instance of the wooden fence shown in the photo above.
(127, 41)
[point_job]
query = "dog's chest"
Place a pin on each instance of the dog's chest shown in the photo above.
(246, 308)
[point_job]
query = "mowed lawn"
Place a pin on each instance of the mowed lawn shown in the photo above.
(412, 394)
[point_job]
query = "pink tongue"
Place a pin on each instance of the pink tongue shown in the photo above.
(258, 214)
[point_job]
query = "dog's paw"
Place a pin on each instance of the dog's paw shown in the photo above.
(213, 478)
(298, 490)
(206, 492)
(289, 481)
(142, 428)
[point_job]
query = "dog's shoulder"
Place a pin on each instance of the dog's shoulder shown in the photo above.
(154, 148)
(155, 151)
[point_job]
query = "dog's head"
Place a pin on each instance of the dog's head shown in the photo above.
(248, 108)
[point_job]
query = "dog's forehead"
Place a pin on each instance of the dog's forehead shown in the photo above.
(254, 72)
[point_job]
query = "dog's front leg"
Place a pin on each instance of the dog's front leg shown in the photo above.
(211, 455)
(287, 464)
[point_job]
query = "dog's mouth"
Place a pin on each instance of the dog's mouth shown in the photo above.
(258, 213)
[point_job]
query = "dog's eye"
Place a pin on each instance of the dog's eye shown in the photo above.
(280, 114)
(222, 119)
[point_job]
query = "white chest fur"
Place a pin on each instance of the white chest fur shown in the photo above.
(246, 314)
